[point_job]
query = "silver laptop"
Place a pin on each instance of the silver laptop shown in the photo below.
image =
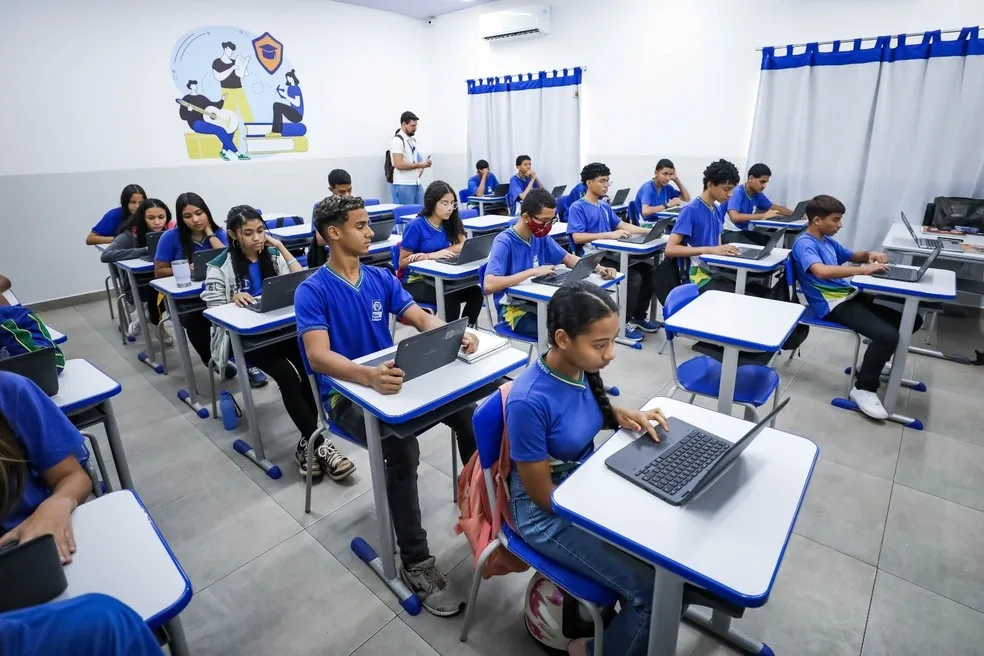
(908, 274)
(278, 291)
(381, 230)
(949, 243)
(152, 239)
(425, 352)
(473, 250)
(657, 231)
(760, 253)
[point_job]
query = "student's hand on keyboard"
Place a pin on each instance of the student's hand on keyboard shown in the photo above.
(442, 254)
(873, 267)
(770, 214)
(386, 378)
(639, 420)
(242, 299)
(417, 257)
(725, 249)
(548, 270)
(607, 273)
(875, 256)
(618, 234)
(673, 202)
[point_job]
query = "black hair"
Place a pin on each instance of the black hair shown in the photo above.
(190, 82)
(406, 117)
(536, 200)
(128, 191)
(229, 44)
(291, 74)
(522, 158)
(572, 309)
(235, 219)
(759, 170)
(453, 227)
(594, 170)
(339, 176)
(720, 172)
(184, 232)
(138, 222)
(664, 164)
(823, 206)
(481, 164)
(13, 468)
(334, 211)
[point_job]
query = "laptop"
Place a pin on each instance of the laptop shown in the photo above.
(200, 260)
(278, 291)
(581, 270)
(381, 230)
(797, 214)
(152, 239)
(620, 197)
(759, 253)
(501, 190)
(425, 352)
(38, 366)
(558, 191)
(473, 250)
(953, 244)
(908, 274)
(685, 461)
(657, 231)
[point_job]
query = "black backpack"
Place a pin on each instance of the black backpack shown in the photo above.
(388, 167)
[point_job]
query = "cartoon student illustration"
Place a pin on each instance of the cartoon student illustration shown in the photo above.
(294, 111)
(205, 116)
(230, 71)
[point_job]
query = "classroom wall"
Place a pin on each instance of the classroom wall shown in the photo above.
(93, 110)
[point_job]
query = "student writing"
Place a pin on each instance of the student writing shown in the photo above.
(658, 195)
(522, 183)
(112, 221)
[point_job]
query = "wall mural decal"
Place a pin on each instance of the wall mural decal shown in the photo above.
(239, 97)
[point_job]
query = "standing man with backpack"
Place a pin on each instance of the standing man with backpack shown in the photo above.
(404, 165)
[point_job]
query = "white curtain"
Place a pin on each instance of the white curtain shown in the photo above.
(883, 127)
(532, 114)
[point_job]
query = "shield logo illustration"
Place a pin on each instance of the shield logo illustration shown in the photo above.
(269, 52)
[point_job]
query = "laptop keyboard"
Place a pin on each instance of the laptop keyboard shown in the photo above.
(448, 260)
(255, 307)
(670, 472)
(553, 278)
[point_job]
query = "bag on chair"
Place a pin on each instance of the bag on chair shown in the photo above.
(952, 212)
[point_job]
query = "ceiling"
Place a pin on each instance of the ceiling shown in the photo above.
(418, 8)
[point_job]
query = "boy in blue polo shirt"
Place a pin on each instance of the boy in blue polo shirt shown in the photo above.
(823, 267)
(522, 183)
(342, 314)
(658, 195)
(484, 182)
(749, 202)
(524, 251)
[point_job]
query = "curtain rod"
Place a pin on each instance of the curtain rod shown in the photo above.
(864, 38)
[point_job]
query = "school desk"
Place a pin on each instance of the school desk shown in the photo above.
(627, 250)
(182, 301)
(774, 261)
(139, 270)
(456, 275)
(485, 202)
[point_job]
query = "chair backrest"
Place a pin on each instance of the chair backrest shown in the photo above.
(403, 210)
(467, 213)
(395, 257)
(370, 201)
(489, 298)
(635, 212)
(488, 423)
(282, 221)
(462, 196)
(312, 381)
(678, 298)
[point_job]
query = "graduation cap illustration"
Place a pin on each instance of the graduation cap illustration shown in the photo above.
(269, 52)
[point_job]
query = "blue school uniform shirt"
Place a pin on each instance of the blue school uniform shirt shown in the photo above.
(822, 295)
(109, 224)
(255, 280)
(550, 416)
(419, 236)
(700, 225)
(583, 216)
(169, 247)
(511, 254)
(517, 185)
(648, 194)
(746, 203)
(491, 182)
(43, 432)
(294, 91)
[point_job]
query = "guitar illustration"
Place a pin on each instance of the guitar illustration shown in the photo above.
(224, 118)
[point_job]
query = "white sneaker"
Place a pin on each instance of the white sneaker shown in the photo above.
(168, 332)
(869, 403)
(133, 328)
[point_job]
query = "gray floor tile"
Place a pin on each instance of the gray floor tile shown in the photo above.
(943, 467)
(943, 413)
(294, 599)
(821, 381)
(906, 620)
(845, 510)
(945, 376)
(395, 638)
(936, 544)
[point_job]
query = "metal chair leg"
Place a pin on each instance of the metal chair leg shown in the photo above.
(476, 582)
(124, 316)
(309, 476)
(599, 627)
(854, 365)
(775, 404)
(691, 399)
(97, 454)
(109, 298)
(211, 386)
(454, 467)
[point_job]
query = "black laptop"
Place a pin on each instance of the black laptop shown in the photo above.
(620, 197)
(425, 352)
(655, 233)
(760, 253)
(38, 366)
(278, 291)
(797, 214)
(686, 460)
(501, 190)
(908, 274)
(581, 270)
(200, 260)
(473, 250)
(558, 191)
(152, 239)
(381, 230)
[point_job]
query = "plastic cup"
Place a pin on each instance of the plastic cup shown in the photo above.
(182, 272)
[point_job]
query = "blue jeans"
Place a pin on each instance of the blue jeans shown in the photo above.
(407, 194)
(201, 127)
(558, 539)
(527, 325)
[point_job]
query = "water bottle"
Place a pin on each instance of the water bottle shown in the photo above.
(230, 413)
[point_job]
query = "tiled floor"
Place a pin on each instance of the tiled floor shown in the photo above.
(885, 559)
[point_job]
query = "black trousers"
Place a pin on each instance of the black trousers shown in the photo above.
(470, 296)
(199, 330)
(282, 362)
(640, 292)
(282, 111)
(878, 323)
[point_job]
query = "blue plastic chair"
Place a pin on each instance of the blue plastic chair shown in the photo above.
(501, 327)
(635, 212)
(467, 213)
(283, 221)
(754, 383)
(463, 196)
(488, 422)
(370, 201)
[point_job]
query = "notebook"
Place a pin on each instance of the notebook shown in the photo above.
(488, 343)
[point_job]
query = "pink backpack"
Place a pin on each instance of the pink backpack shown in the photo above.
(476, 519)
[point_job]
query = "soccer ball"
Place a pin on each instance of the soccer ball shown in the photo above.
(553, 617)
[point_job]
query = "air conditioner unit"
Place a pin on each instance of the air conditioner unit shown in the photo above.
(515, 23)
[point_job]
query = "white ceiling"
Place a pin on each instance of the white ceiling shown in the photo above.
(418, 8)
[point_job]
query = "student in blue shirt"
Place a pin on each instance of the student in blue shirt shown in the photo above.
(749, 202)
(554, 410)
(658, 195)
(484, 182)
(111, 222)
(522, 183)
(339, 184)
(823, 267)
(437, 233)
(590, 219)
(525, 251)
(342, 315)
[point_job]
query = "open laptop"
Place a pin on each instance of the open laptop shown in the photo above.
(152, 239)
(278, 291)
(686, 461)
(473, 250)
(38, 366)
(620, 197)
(381, 230)
(760, 253)
(200, 260)
(908, 274)
(425, 352)
(501, 190)
(581, 270)
(951, 244)
(558, 191)
(797, 214)
(655, 233)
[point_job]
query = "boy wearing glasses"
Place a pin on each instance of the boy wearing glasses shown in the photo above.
(525, 251)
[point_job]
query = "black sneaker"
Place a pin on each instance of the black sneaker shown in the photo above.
(333, 463)
(300, 457)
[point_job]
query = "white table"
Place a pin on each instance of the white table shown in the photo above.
(774, 260)
(623, 207)
(418, 397)
(183, 300)
(382, 209)
(81, 387)
(294, 235)
(484, 201)
(736, 323)
(936, 285)
(121, 553)
(441, 272)
(486, 223)
(792, 227)
(133, 268)
(241, 322)
(541, 294)
(626, 250)
(730, 540)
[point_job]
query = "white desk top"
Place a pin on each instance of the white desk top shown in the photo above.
(436, 269)
(488, 222)
(170, 287)
(737, 320)
(120, 553)
(939, 284)
(432, 390)
(535, 291)
(382, 208)
(82, 385)
(379, 246)
(486, 199)
(620, 245)
(136, 265)
(792, 226)
(620, 208)
(558, 229)
(767, 263)
(730, 539)
(101, 247)
(57, 336)
(292, 232)
(246, 322)
(898, 239)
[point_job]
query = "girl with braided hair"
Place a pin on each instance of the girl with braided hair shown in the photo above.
(553, 412)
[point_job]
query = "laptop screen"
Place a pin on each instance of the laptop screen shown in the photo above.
(931, 258)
